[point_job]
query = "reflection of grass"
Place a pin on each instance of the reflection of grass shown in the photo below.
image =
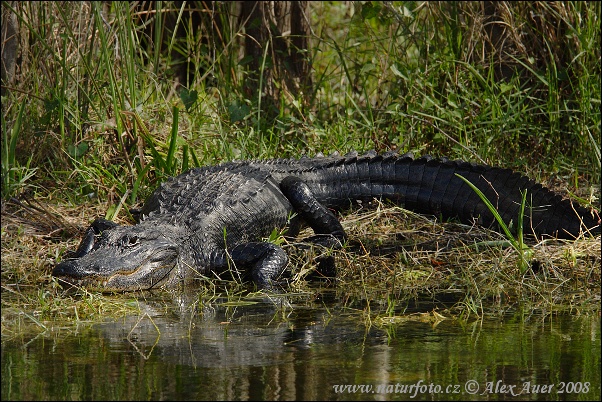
(517, 242)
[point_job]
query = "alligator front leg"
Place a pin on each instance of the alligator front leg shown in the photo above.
(267, 261)
(329, 231)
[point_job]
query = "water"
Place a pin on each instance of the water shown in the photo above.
(287, 349)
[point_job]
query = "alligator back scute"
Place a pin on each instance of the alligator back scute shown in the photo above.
(442, 197)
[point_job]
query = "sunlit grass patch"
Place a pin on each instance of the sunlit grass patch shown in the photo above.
(33, 240)
(394, 254)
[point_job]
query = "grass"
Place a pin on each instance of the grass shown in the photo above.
(518, 242)
(403, 257)
(394, 259)
(94, 120)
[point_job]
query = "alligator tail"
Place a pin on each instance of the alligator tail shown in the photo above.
(431, 186)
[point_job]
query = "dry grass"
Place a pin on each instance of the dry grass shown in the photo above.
(397, 255)
(394, 260)
(34, 238)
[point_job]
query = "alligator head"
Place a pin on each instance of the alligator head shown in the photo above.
(123, 258)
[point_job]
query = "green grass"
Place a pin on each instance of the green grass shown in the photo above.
(95, 119)
(518, 242)
(394, 79)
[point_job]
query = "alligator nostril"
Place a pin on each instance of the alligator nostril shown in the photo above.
(72, 268)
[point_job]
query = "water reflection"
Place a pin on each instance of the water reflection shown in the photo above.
(267, 349)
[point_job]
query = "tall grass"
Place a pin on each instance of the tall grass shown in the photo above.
(105, 116)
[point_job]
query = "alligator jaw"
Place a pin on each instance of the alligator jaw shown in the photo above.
(152, 272)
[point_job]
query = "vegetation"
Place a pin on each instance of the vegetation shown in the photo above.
(94, 118)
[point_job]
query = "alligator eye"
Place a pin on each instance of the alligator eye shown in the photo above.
(130, 241)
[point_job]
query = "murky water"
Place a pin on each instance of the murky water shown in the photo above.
(268, 349)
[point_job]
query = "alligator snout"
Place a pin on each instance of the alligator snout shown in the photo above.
(70, 273)
(65, 268)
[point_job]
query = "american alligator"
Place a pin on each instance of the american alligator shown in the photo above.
(214, 219)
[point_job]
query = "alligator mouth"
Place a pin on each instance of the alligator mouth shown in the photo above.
(152, 272)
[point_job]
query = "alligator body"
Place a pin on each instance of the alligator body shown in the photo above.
(213, 219)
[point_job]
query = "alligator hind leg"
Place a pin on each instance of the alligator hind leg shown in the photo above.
(329, 231)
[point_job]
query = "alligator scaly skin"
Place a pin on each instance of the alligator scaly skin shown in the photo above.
(213, 219)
